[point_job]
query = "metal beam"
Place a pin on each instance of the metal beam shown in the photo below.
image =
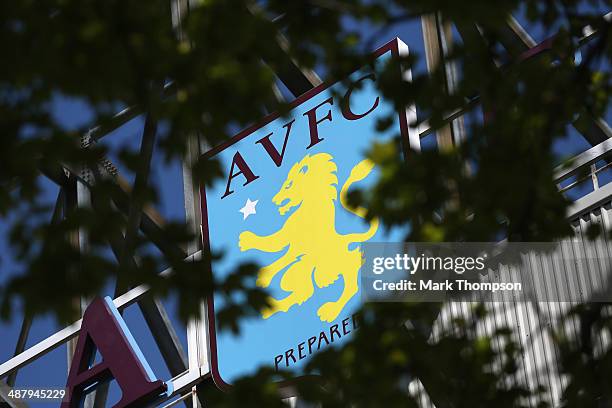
(589, 32)
(514, 37)
(152, 221)
(21, 342)
(150, 211)
(197, 335)
(433, 57)
(520, 45)
(522, 35)
(585, 158)
(67, 333)
(71, 199)
(141, 181)
(450, 74)
(159, 323)
(152, 229)
(436, 47)
(56, 173)
(164, 334)
(425, 128)
(80, 239)
(296, 78)
(124, 116)
(594, 130)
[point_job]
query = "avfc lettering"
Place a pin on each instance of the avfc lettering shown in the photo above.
(315, 116)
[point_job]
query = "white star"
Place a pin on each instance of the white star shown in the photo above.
(249, 208)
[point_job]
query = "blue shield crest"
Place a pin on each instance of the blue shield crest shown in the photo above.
(283, 205)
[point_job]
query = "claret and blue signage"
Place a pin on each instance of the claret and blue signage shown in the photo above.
(283, 205)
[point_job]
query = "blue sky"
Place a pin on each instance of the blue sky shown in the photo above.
(50, 371)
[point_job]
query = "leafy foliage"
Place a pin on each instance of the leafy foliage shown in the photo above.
(217, 70)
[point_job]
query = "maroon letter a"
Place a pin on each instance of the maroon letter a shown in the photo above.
(104, 329)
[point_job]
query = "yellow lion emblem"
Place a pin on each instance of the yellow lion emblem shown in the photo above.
(310, 233)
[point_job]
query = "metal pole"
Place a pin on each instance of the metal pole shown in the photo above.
(437, 37)
(197, 335)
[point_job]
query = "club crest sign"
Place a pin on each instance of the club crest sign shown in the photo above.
(282, 204)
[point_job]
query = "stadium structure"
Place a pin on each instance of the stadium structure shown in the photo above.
(585, 181)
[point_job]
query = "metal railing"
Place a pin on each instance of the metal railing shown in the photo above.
(586, 166)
